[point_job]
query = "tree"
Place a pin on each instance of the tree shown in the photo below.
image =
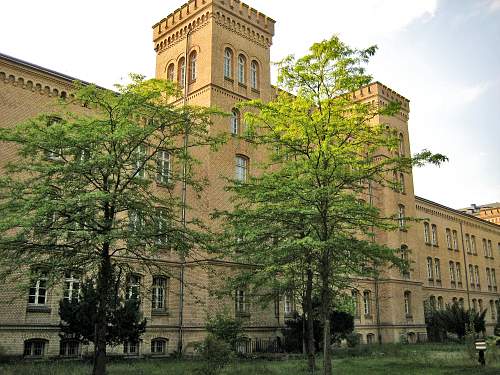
(455, 319)
(80, 196)
(307, 213)
(78, 315)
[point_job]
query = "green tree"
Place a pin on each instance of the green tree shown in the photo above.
(308, 212)
(78, 315)
(455, 319)
(81, 194)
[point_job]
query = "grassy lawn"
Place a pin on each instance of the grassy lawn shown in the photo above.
(387, 360)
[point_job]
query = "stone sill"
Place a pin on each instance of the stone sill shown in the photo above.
(38, 309)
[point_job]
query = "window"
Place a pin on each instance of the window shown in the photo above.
(370, 338)
(473, 245)
(241, 168)
(367, 303)
(288, 304)
(158, 293)
(490, 249)
(139, 160)
(131, 348)
(452, 274)
(402, 187)
(235, 122)
(437, 266)
(355, 298)
(69, 348)
(55, 154)
(459, 274)
(478, 284)
(448, 239)
(38, 290)
(493, 310)
(455, 240)
(192, 66)
(430, 270)
(242, 63)
(240, 302)
(228, 63)
(161, 227)
(494, 279)
(133, 287)
(432, 302)
(488, 278)
(461, 302)
(405, 258)
(254, 75)
(159, 346)
(401, 217)
(35, 348)
(277, 306)
(71, 286)
(434, 235)
(170, 72)
(426, 233)
(471, 276)
(401, 145)
(480, 303)
(136, 221)
(485, 248)
(181, 71)
(163, 166)
(440, 303)
(407, 301)
(467, 243)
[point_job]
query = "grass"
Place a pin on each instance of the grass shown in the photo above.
(426, 359)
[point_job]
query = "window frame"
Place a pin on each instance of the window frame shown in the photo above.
(159, 294)
(241, 172)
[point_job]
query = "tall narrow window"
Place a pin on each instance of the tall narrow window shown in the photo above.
(485, 248)
(471, 276)
(493, 310)
(426, 233)
(139, 161)
(481, 306)
(430, 270)
(241, 168)
(488, 278)
(452, 274)
(254, 75)
(228, 63)
(490, 249)
(133, 287)
(432, 302)
(434, 234)
(459, 274)
(455, 240)
(287, 304)
(135, 221)
(440, 303)
(242, 66)
(163, 167)
(367, 303)
(171, 72)
(71, 286)
(38, 290)
(158, 293)
(181, 71)
(161, 227)
(467, 243)
(193, 73)
(402, 186)
(240, 302)
(159, 346)
(473, 245)
(478, 283)
(401, 144)
(357, 307)
(448, 239)
(494, 279)
(235, 122)
(401, 217)
(437, 266)
(407, 301)
(405, 258)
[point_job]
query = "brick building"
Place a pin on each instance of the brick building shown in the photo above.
(219, 51)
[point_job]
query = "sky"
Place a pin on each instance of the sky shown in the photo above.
(443, 55)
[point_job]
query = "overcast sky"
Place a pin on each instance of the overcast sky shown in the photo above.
(443, 55)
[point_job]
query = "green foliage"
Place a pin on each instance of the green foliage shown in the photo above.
(353, 339)
(78, 317)
(455, 319)
(216, 354)
(226, 328)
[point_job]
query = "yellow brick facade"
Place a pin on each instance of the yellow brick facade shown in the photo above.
(209, 28)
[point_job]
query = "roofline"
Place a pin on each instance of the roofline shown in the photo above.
(42, 69)
(464, 214)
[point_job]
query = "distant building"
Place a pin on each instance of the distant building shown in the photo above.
(221, 50)
(489, 212)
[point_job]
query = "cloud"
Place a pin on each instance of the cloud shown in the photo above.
(471, 93)
(494, 5)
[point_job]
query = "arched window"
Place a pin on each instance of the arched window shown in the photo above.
(467, 243)
(38, 289)
(440, 303)
(407, 301)
(478, 283)
(357, 307)
(458, 270)
(192, 66)
(235, 122)
(170, 72)
(370, 338)
(254, 75)
(452, 274)
(367, 303)
(401, 216)
(35, 348)
(471, 276)
(181, 72)
(434, 235)
(242, 63)
(432, 302)
(455, 240)
(493, 311)
(69, 348)
(402, 186)
(474, 304)
(481, 306)
(401, 145)
(241, 168)
(228, 63)
(133, 287)
(437, 267)
(159, 293)
(159, 346)
(473, 244)
(426, 233)
(448, 239)
(430, 269)
(461, 302)
(405, 258)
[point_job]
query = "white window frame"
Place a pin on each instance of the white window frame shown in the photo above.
(72, 286)
(36, 289)
(241, 168)
(159, 293)
(228, 63)
(242, 62)
(240, 301)
(133, 290)
(163, 167)
(367, 303)
(254, 72)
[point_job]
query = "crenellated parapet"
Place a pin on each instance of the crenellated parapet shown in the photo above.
(379, 94)
(33, 85)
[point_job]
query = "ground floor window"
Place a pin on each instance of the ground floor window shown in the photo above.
(370, 338)
(69, 348)
(159, 346)
(131, 348)
(35, 348)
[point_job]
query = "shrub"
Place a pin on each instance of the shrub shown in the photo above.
(216, 354)
(353, 339)
(226, 328)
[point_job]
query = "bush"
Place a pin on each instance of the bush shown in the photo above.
(353, 339)
(216, 354)
(226, 328)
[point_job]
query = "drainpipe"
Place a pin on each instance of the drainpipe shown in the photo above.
(184, 195)
(465, 265)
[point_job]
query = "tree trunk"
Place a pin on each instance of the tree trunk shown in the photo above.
(311, 360)
(103, 285)
(327, 350)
